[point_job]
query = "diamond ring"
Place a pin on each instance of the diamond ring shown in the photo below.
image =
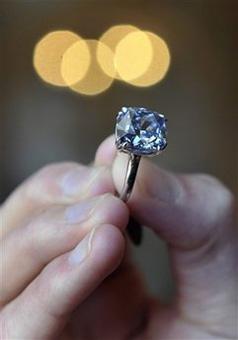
(139, 132)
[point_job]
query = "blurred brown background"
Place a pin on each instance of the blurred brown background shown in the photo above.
(40, 123)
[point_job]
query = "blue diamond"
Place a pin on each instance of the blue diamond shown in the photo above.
(140, 131)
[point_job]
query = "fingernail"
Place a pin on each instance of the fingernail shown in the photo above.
(82, 250)
(76, 180)
(79, 212)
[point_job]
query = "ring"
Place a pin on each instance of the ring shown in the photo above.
(139, 132)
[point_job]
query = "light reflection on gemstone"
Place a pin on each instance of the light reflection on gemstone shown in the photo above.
(140, 131)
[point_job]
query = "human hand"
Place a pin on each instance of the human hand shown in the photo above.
(52, 302)
(197, 217)
(61, 236)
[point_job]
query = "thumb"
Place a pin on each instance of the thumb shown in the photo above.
(195, 215)
(184, 209)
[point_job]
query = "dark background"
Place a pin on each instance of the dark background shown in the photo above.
(40, 123)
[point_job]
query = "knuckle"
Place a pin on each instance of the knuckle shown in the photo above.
(217, 186)
(35, 236)
(44, 233)
(43, 186)
(55, 168)
(209, 179)
(218, 193)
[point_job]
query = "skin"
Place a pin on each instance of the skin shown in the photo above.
(66, 269)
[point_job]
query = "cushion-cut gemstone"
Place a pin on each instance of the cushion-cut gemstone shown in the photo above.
(140, 131)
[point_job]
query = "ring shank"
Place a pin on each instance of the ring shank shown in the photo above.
(131, 171)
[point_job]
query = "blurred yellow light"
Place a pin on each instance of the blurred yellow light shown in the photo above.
(159, 65)
(75, 62)
(111, 38)
(95, 81)
(48, 55)
(133, 56)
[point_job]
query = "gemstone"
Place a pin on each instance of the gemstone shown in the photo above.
(140, 131)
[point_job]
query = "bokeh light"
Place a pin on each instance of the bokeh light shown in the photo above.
(96, 80)
(123, 52)
(111, 38)
(133, 55)
(159, 64)
(75, 62)
(48, 55)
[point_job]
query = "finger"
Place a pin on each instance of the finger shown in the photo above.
(157, 190)
(26, 250)
(162, 200)
(106, 152)
(195, 215)
(125, 284)
(54, 184)
(63, 285)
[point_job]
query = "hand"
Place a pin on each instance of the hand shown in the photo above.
(63, 236)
